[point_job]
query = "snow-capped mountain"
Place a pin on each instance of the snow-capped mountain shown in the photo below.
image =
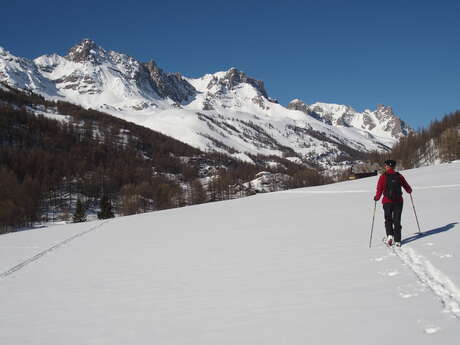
(93, 77)
(226, 111)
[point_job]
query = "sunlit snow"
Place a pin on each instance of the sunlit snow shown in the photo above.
(291, 267)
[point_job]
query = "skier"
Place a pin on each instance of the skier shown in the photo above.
(389, 185)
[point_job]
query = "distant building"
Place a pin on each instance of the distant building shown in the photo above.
(364, 170)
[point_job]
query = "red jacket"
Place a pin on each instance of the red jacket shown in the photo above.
(382, 184)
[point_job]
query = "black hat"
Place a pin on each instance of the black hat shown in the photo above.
(391, 163)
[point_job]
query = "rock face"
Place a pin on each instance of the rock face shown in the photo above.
(226, 111)
(173, 86)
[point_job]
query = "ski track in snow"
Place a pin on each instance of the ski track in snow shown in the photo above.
(360, 190)
(430, 276)
(46, 251)
(325, 191)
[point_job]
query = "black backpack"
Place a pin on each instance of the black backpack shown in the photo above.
(393, 189)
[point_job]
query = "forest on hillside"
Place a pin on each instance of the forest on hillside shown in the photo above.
(89, 161)
(438, 143)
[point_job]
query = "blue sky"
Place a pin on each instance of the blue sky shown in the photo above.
(362, 53)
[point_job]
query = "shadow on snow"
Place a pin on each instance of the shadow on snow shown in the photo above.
(428, 233)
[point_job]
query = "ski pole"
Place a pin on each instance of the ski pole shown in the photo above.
(415, 213)
(372, 227)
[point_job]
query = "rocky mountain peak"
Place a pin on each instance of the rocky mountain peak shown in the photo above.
(3, 51)
(394, 124)
(297, 104)
(233, 77)
(86, 51)
(155, 71)
(385, 110)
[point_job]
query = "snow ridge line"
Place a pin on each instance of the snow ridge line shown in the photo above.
(437, 281)
(46, 251)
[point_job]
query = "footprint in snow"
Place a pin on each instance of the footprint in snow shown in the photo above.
(407, 291)
(428, 327)
(442, 256)
(389, 273)
(432, 329)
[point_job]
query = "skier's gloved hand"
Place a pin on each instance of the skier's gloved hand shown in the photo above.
(376, 199)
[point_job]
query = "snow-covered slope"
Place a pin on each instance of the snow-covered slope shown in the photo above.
(226, 111)
(282, 268)
(23, 74)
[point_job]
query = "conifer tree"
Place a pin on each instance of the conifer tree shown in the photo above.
(106, 208)
(198, 194)
(79, 215)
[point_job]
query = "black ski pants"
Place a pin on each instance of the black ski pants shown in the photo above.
(392, 213)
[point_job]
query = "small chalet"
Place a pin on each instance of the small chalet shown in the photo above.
(364, 170)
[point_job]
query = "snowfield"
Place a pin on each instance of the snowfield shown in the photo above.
(291, 267)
